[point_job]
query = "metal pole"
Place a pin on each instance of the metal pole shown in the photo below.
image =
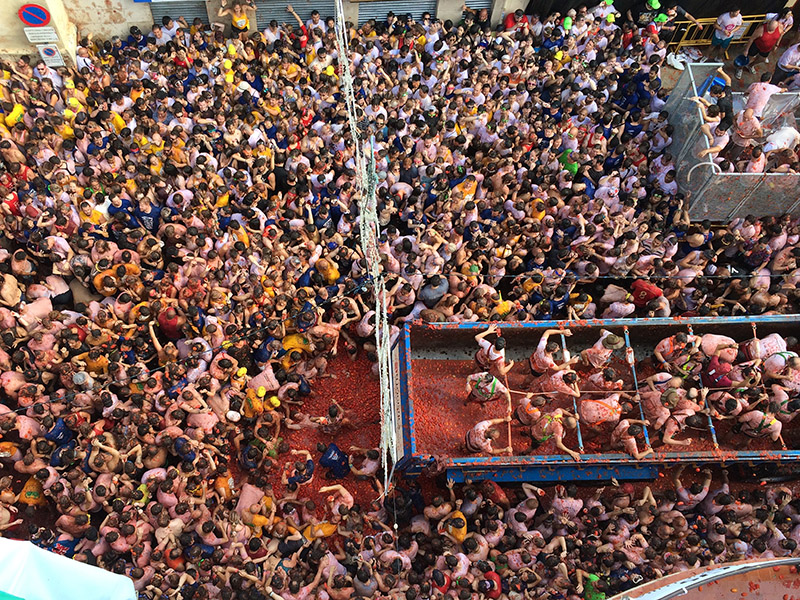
(510, 412)
(574, 401)
(708, 409)
(632, 362)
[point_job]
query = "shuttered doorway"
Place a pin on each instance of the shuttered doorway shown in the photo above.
(188, 9)
(378, 10)
(480, 5)
(276, 9)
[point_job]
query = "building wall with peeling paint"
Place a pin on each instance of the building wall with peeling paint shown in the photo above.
(12, 36)
(105, 18)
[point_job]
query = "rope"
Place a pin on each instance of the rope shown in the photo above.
(369, 231)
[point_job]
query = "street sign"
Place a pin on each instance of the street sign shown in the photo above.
(41, 35)
(51, 55)
(34, 15)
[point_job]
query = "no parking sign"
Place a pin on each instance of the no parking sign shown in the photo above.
(34, 15)
(51, 55)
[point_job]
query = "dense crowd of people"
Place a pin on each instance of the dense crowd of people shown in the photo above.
(180, 218)
(693, 387)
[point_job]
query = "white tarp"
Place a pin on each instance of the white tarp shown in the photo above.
(677, 584)
(30, 573)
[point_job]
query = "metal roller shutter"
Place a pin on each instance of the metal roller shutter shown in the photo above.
(380, 8)
(188, 9)
(479, 5)
(276, 9)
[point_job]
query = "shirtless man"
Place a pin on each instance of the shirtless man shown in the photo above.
(601, 414)
(478, 440)
(757, 424)
(625, 436)
(552, 426)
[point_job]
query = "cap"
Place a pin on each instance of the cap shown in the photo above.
(231, 49)
(273, 400)
(609, 2)
(654, 4)
(233, 416)
(661, 18)
(330, 71)
(243, 86)
(613, 342)
(669, 397)
(611, 18)
(567, 24)
(227, 63)
(69, 84)
(261, 392)
(241, 372)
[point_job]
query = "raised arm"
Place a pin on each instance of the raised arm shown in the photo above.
(290, 8)
(483, 334)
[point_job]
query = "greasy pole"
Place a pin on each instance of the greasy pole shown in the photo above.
(711, 427)
(632, 362)
(566, 358)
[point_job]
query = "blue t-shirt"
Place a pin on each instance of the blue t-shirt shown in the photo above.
(335, 460)
(149, 219)
(305, 476)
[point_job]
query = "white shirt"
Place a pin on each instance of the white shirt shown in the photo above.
(790, 57)
(729, 25)
(785, 137)
(310, 25)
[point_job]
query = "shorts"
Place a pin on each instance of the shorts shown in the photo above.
(237, 31)
(754, 50)
(469, 446)
(480, 399)
(534, 372)
(720, 43)
(64, 299)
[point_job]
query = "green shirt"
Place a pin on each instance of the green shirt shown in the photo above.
(589, 591)
(569, 165)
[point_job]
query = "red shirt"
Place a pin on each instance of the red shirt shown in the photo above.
(498, 496)
(510, 21)
(12, 202)
(498, 587)
(643, 292)
(716, 374)
(445, 586)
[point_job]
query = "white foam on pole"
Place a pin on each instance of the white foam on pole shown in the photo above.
(369, 232)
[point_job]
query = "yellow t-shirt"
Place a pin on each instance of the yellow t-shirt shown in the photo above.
(66, 131)
(296, 341)
(95, 218)
(459, 533)
(241, 22)
(118, 122)
(15, 116)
